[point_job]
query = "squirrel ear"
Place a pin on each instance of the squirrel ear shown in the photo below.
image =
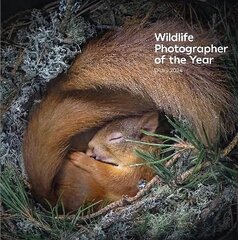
(149, 121)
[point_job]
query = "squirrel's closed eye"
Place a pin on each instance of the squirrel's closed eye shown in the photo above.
(115, 137)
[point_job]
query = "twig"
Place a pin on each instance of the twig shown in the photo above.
(125, 214)
(124, 201)
(26, 183)
(50, 6)
(181, 145)
(19, 60)
(5, 236)
(111, 13)
(189, 172)
(41, 54)
(67, 14)
(152, 9)
(90, 7)
(227, 235)
(184, 145)
(107, 27)
(9, 222)
(234, 228)
(173, 160)
(230, 147)
(12, 44)
(15, 17)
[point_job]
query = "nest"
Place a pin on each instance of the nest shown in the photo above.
(38, 45)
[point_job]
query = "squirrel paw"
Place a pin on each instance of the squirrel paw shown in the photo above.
(79, 159)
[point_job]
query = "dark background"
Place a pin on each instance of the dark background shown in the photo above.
(11, 7)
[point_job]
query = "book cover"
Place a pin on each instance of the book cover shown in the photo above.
(119, 119)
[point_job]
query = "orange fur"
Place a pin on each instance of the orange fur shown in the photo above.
(105, 173)
(112, 78)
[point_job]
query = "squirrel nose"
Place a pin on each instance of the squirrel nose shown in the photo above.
(91, 153)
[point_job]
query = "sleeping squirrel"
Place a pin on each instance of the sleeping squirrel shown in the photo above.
(106, 171)
(113, 78)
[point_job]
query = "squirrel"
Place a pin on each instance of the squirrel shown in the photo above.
(112, 78)
(106, 172)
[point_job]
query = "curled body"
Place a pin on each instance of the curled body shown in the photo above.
(114, 77)
(107, 171)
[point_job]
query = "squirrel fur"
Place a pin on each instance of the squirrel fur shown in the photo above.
(107, 170)
(113, 78)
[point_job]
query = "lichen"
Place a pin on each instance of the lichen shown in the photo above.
(39, 53)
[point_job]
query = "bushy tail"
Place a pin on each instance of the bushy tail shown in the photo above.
(125, 60)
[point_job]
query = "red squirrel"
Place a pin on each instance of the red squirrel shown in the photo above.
(106, 172)
(114, 77)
